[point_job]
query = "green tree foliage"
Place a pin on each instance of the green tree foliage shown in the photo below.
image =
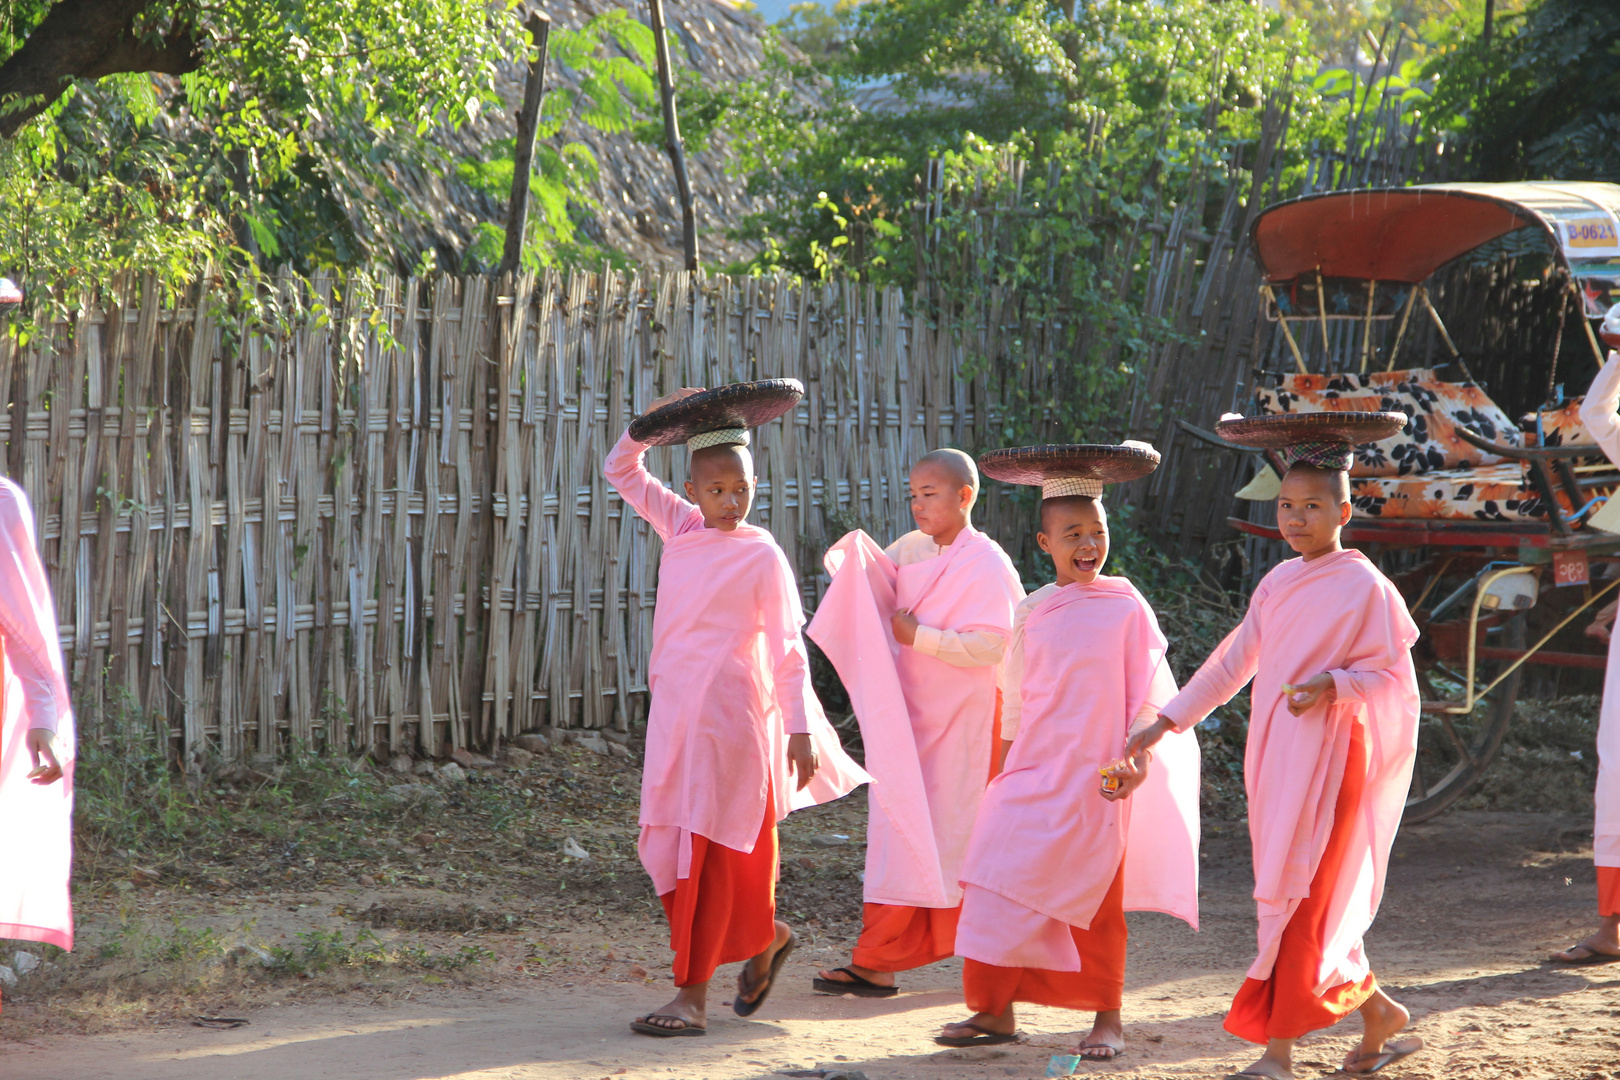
(1543, 101)
(148, 135)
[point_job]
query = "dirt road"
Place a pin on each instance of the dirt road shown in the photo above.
(1474, 899)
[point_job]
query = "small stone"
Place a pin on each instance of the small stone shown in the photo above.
(8, 978)
(24, 962)
(532, 742)
(424, 768)
(451, 774)
(518, 757)
(480, 761)
(400, 763)
(827, 840)
(615, 750)
(620, 737)
(461, 756)
(366, 881)
(425, 839)
(592, 741)
(572, 849)
(637, 971)
(808, 863)
(404, 794)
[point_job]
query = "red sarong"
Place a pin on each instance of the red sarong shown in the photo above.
(896, 938)
(1285, 1005)
(1608, 883)
(1098, 987)
(726, 910)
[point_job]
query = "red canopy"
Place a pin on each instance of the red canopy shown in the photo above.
(1405, 234)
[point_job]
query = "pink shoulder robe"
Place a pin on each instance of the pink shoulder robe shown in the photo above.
(36, 821)
(1598, 413)
(1047, 846)
(1335, 614)
(926, 724)
(729, 679)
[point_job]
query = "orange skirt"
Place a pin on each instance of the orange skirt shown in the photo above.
(726, 910)
(898, 938)
(1285, 1006)
(1608, 890)
(1098, 987)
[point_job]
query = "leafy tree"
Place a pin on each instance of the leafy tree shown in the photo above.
(1543, 101)
(148, 135)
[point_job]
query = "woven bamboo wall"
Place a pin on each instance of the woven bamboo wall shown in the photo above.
(289, 528)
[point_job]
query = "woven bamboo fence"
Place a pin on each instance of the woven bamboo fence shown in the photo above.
(378, 517)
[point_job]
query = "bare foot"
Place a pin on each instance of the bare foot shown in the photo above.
(755, 977)
(1277, 1062)
(1606, 942)
(1382, 1018)
(1107, 1039)
(876, 978)
(689, 1008)
(980, 1024)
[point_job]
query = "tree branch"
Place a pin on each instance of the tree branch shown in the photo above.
(88, 39)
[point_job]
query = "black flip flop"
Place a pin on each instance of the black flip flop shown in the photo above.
(858, 985)
(687, 1028)
(1592, 957)
(749, 1008)
(1382, 1058)
(984, 1038)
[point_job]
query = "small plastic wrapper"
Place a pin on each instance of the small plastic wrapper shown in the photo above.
(1110, 781)
(1062, 1065)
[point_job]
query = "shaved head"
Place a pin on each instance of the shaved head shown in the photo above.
(953, 463)
(735, 459)
(1334, 482)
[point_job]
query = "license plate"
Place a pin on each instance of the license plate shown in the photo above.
(1571, 568)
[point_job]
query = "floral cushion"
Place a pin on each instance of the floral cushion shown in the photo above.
(1481, 493)
(1429, 442)
(1556, 427)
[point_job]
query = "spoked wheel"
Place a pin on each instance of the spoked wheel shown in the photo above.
(1454, 750)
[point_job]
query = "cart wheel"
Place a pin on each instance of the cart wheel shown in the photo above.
(1455, 750)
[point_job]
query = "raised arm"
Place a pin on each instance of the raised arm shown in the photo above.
(1228, 670)
(660, 507)
(1598, 411)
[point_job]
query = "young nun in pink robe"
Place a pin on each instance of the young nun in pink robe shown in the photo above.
(735, 736)
(1598, 413)
(1056, 860)
(937, 606)
(1331, 743)
(36, 742)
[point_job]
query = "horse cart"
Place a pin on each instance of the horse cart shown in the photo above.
(1498, 530)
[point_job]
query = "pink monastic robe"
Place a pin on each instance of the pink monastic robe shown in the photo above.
(36, 821)
(926, 724)
(730, 681)
(1335, 614)
(1046, 839)
(1598, 413)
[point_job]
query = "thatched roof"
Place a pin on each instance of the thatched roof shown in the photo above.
(639, 214)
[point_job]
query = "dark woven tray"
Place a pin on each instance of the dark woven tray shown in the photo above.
(740, 405)
(1290, 429)
(1093, 461)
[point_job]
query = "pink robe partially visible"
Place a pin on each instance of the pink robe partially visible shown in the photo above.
(36, 821)
(926, 724)
(729, 681)
(1046, 840)
(1598, 413)
(1335, 614)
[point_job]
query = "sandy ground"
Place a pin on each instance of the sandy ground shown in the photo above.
(1474, 900)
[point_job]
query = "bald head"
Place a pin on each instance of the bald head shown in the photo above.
(728, 459)
(954, 464)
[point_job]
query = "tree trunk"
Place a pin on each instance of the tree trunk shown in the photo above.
(528, 120)
(672, 136)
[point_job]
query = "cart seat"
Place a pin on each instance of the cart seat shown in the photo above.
(1501, 492)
